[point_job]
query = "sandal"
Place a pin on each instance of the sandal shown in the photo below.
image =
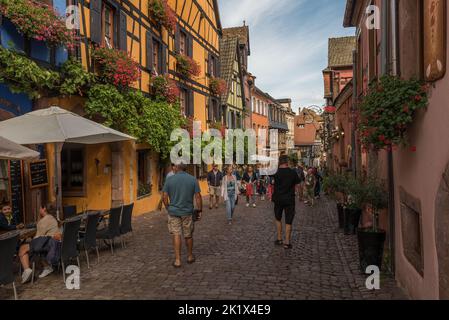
(191, 261)
(278, 242)
(288, 246)
(176, 266)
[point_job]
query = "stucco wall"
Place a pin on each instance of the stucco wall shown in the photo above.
(421, 173)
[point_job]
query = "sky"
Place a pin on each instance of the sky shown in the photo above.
(289, 42)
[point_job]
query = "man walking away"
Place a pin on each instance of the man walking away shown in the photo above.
(214, 179)
(250, 181)
(178, 194)
(285, 182)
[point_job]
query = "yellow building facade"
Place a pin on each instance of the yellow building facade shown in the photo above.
(100, 176)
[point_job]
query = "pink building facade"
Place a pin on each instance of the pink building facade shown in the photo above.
(418, 216)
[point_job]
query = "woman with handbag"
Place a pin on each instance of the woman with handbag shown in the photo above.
(229, 192)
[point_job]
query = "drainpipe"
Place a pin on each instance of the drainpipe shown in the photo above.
(393, 58)
(353, 109)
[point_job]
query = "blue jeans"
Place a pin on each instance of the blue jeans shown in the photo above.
(230, 207)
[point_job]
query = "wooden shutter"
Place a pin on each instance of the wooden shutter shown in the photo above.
(149, 47)
(190, 105)
(220, 113)
(209, 64)
(95, 21)
(218, 67)
(210, 110)
(163, 59)
(122, 31)
(190, 45)
(177, 39)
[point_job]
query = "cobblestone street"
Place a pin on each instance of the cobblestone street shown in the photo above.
(233, 262)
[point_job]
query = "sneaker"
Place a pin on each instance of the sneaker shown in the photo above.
(263, 199)
(46, 272)
(26, 275)
(230, 222)
(254, 205)
(247, 205)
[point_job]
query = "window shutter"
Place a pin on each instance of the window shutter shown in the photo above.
(123, 32)
(218, 67)
(220, 113)
(95, 21)
(190, 46)
(149, 40)
(177, 39)
(191, 106)
(210, 110)
(209, 64)
(164, 59)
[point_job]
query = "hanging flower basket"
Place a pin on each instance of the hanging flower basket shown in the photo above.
(163, 14)
(187, 67)
(116, 66)
(165, 88)
(388, 109)
(218, 86)
(36, 20)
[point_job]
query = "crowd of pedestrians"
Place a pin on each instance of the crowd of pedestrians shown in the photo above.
(183, 200)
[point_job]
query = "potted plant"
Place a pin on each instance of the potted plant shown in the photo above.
(334, 186)
(217, 86)
(160, 11)
(187, 67)
(371, 240)
(356, 195)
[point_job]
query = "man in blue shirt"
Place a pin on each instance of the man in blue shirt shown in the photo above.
(178, 194)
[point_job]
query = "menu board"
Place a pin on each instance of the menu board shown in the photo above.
(15, 173)
(38, 174)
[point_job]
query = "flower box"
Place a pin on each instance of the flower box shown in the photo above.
(187, 67)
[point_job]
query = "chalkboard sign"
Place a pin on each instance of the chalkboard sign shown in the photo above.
(38, 174)
(15, 173)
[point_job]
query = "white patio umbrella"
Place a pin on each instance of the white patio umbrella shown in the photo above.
(56, 125)
(12, 151)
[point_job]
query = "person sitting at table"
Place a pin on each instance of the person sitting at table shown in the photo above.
(48, 236)
(7, 220)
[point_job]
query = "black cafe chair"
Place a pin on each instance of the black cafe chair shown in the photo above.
(126, 222)
(69, 248)
(112, 231)
(68, 212)
(8, 245)
(88, 237)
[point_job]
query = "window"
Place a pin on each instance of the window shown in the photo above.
(73, 171)
(183, 43)
(301, 126)
(156, 57)
(183, 101)
(108, 26)
(144, 173)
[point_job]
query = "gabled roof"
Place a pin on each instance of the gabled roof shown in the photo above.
(242, 33)
(228, 54)
(340, 51)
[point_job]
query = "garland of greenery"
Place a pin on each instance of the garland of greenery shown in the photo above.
(149, 120)
(23, 75)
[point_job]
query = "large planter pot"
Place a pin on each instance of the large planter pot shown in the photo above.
(351, 220)
(341, 215)
(371, 248)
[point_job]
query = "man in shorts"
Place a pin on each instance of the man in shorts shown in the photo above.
(214, 179)
(285, 182)
(178, 195)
